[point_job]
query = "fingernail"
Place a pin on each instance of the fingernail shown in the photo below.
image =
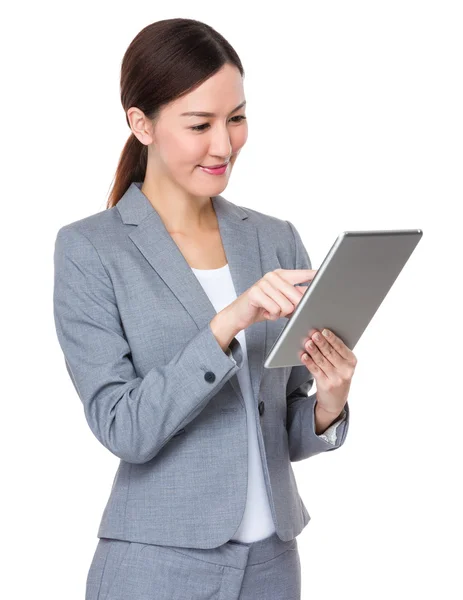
(326, 333)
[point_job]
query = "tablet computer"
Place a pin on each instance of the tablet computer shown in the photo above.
(347, 290)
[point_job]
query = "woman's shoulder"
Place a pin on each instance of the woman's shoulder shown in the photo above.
(93, 227)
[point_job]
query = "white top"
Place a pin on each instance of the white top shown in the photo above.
(257, 522)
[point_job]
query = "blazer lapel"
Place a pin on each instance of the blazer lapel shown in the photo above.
(240, 241)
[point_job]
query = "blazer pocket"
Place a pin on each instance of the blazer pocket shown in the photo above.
(179, 432)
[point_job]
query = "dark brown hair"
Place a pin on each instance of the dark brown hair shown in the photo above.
(165, 60)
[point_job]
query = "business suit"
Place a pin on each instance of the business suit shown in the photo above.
(157, 389)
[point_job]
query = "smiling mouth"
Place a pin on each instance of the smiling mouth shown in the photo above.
(215, 166)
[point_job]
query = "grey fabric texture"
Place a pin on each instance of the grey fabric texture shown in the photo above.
(268, 568)
(157, 389)
(122, 570)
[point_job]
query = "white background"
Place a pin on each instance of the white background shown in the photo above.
(355, 115)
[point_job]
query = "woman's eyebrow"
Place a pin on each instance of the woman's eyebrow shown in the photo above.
(208, 114)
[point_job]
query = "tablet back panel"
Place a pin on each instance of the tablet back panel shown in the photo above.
(347, 290)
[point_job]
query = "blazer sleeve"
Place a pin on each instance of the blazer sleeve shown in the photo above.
(133, 417)
(300, 413)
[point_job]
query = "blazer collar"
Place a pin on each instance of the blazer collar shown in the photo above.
(241, 244)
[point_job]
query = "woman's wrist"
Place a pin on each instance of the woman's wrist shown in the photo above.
(222, 329)
(324, 419)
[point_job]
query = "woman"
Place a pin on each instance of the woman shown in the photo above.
(159, 301)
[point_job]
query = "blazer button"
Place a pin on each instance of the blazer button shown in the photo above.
(261, 407)
(209, 376)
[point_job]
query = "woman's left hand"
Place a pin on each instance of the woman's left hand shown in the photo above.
(332, 364)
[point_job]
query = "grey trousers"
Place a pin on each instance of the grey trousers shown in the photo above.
(268, 569)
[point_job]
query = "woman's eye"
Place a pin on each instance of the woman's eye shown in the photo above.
(204, 125)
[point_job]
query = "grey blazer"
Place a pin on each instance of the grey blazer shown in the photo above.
(157, 389)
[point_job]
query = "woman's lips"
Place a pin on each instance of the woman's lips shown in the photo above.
(214, 171)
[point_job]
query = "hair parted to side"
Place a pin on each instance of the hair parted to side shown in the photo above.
(165, 60)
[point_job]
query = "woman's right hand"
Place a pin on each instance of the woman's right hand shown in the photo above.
(272, 297)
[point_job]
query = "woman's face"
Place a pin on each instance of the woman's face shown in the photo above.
(181, 143)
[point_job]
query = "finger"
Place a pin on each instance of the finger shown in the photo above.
(296, 275)
(317, 372)
(322, 363)
(328, 351)
(301, 293)
(285, 305)
(286, 288)
(260, 298)
(338, 345)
